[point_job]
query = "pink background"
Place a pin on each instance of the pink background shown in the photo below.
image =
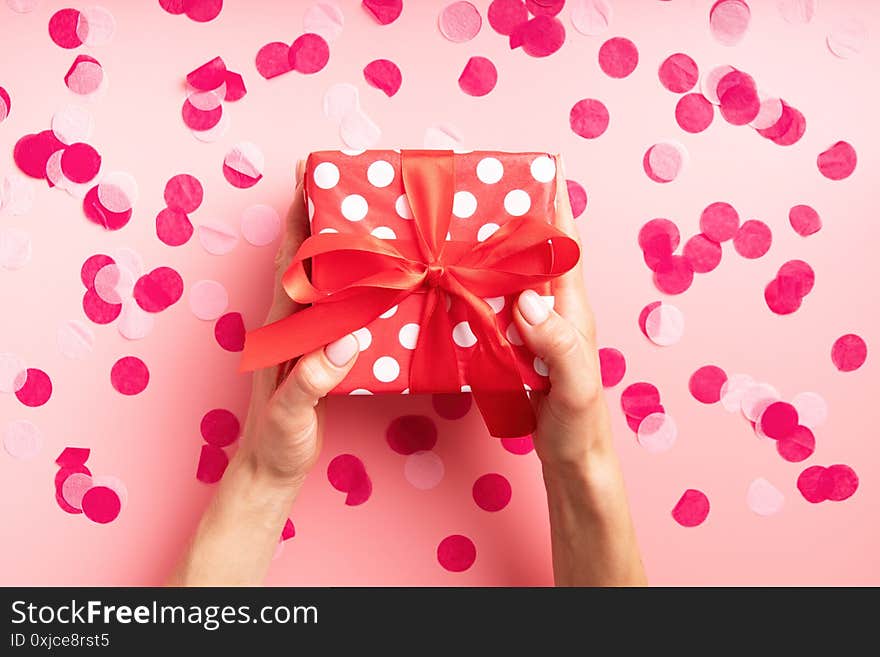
(151, 441)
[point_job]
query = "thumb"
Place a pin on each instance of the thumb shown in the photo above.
(561, 346)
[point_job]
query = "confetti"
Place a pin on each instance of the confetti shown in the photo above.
(812, 409)
(752, 239)
(796, 446)
(101, 504)
(13, 372)
(384, 11)
(358, 131)
(706, 384)
(847, 38)
(15, 248)
(347, 474)
(505, 16)
(539, 37)
(612, 365)
(577, 196)
(492, 492)
(460, 22)
(618, 57)
(212, 464)
(703, 254)
(755, 398)
(451, 406)
(308, 54)
(478, 77)
(779, 420)
(200, 11)
(664, 325)
(341, 99)
(96, 26)
(260, 225)
(134, 322)
(424, 470)
(729, 21)
(173, 227)
(62, 28)
(243, 165)
(411, 433)
(849, 352)
(640, 399)
(804, 220)
(32, 152)
(657, 432)
(98, 310)
(733, 390)
(22, 440)
(209, 76)
(324, 19)
(219, 427)
(456, 553)
(678, 73)
(208, 300)
(675, 276)
(694, 113)
(590, 17)
(5, 105)
(809, 484)
(273, 60)
(691, 509)
(74, 488)
(159, 289)
(217, 238)
(719, 221)
(588, 118)
(518, 446)
(85, 76)
(797, 12)
(229, 332)
(75, 340)
(764, 498)
(383, 74)
(129, 375)
(838, 161)
(664, 161)
(36, 389)
(71, 124)
(839, 482)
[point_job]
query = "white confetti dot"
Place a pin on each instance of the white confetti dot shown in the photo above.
(408, 335)
(543, 168)
(764, 498)
(217, 237)
(513, 335)
(380, 173)
(75, 339)
(22, 439)
(364, 338)
(664, 325)
(657, 433)
(756, 398)
(383, 233)
(496, 303)
(540, 367)
(486, 231)
(13, 373)
(354, 207)
(490, 170)
(463, 336)
(464, 204)
(208, 299)
(386, 369)
(517, 202)
(326, 175)
(260, 224)
(388, 313)
(134, 323)
(812, 409)
(401, 207)
(15, 248)
(732, 391)
(424, 470)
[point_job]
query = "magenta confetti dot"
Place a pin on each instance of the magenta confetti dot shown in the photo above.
(456, 553)
(492, 492)
(229, 332)
(101, 504)
(208, 76)
(804, 220)
(62, 28)
(676, 277)
(479, 77)
(173, 227)
(384, 11)
(795, 131)
(273, 60)
(694, 113)
(347, 474)
(719, 221)
(518, 446)
(577, 196)
(643, 316)
(408, 434)
(838, 161)
(202, 11)
(797, 446)
(618, 57)
(588, 118)
(220, 427)
(545, 7)
(799, 275)
(506, 15)
(159, 289)
(184, 192)
(782, 296)
(739, 103)
(706, 383)
(849, 352)
(383, 74)
(97, 213)
(612, 365)
(809, 484)
(92, 266)
(779, 420)
(129, 375)
(452, 406)
(175, 7)
(640, 399)
(663, 228)
(98, 310)
(5, 104)
(37, 388)
(235, 89)
(692, 508)
(80, 163)
(753, 239)
(702, 253)
(309, 53)
(212, 464)
(32, 152)
(678, 73)
(540, 37)
(838, 482)
(288, 531)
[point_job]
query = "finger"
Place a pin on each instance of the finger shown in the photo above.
(313, 376)
(561, 346)
(296, 230)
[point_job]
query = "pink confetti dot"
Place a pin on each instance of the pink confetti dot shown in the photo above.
(199, 119)
(383, 74)
(80, 163)
(847, 38)
(849, 352)
(588, 118)
(492, 492)
(657, 432)
(74, 488)
(408, 434)
(753, 239)
(782, 296)
(456, 553)
(208, 76)
(706, 383)
(675, 277)
(612, 365)
(36, 389)
(838, 161)
(62, 28)
(518, 446)
(220, 427)
(424, 470)
(129, 375)
(479, 77)
(98, 213)
(540, 37)
(692, 508)
(779, 420)
(640, 399)
(229, 332)
(174, 7)
(664, 325)
(308, 54)
(678, 73)
(13, 372)
(98, 310)
(460, 22)
(92, 266)
(243, 165)
(659, 231)
(577, 196)
(173, 227)
(506, 15)
(694, 113)
(664, 161)
(288, 531)
(212, 464)
(159, 289)
(208, 299)
(452, 406)
(235, 89)
(32, 153)
(85, 76)
(101, 504)
(804, 220)
(22, 439)
(184, 193)
(203, 11)
(384, 11)
(217, 237)
(325, 19)
(809, 484)
(260, 225)
(729, 21)
(764, 498)
(618, 57)
(719, 221)
(273, 60)
(839, 482)
(702, 253)
(5, 104)
(739, 102)
(545, 7)
(796, 446)
(347, 474)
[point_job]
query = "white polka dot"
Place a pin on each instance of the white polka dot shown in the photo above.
(401, 207)
(388, 313)
(513, 335)
(486, 231)
(354, 207)
(543, 169)
(383, 233)
(351, 152)
(326, 175)
(386, 369)
(327, 230)
(540, 366)
(527, 387)
(465, 388)
(496, 303)
(464, 204)
(408, 335)
(311, 207)
(463, 336)
(380, 173)
(405, 391)
(364, 338)
(490, 170)
(360, 391)
(517, 202)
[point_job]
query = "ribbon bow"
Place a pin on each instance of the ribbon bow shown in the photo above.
(363, 276)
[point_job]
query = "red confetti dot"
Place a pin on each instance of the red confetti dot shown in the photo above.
(618, 57)
(91, 266)
(694, 113)
(408, 434)
(384, 11)
(129, 375)
(157, 290)
(679, 73)
(705, 384)
(676, 278)
(98, 214)
(37, 388)
(456, 553)
(479, 77)
(639, 399)
(507, 15)
(577, 196)
(719, 221)
(212, 464)
(98, 310)
(452, 406)
(838, 482)
(347, 474)
(809, 484)
(588, 118)
(101, 504)
(273, 59)
(753, 239)
(173, 227)
(691, 509)
(492, 492)
(838, 162)
(308, 54)
(797, 446)
(805, 220)
(612, 365)
(540, 37)
(779, 420)
(202, 11)
(518, 446)
(80, 163)
(32, 152)
(62, 28)
(383, 74)
(229, 332)
(184, 192)
(849, 352)
(220, 427)
(703, 253)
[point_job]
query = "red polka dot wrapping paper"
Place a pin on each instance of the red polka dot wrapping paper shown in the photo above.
(363, 194)
(185, 214)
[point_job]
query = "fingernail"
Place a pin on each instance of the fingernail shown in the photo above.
(342, 351)
(533, 307)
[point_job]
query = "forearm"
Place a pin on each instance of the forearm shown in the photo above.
(239, 532)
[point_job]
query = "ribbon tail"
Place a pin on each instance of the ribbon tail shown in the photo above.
(434, 365)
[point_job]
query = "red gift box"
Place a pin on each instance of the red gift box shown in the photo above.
(421, 254)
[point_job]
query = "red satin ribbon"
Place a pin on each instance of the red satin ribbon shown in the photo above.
(363, 276)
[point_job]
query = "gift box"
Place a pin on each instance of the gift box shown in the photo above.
(421, 254)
